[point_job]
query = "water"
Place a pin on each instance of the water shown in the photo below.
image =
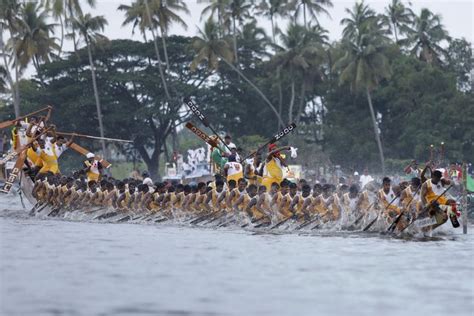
(54, 267)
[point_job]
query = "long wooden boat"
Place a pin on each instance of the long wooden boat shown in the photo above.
(26, 185)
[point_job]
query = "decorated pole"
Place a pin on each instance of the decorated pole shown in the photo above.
(464, 198)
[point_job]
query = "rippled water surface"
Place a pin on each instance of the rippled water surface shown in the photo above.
(55, 267)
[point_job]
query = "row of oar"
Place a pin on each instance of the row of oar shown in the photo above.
(223, 218)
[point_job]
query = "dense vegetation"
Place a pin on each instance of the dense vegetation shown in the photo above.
(390, 87)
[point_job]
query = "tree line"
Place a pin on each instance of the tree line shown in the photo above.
(393, 84)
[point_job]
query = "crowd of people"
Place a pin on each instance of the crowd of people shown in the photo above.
(250, 190)
(253, 194)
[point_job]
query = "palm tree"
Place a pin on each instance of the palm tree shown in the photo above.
(166, 12)
(10, 21)
(3, 75)
(237, 11)
(215, 7)
(300, 58)
(152, 26)
(313, 7)
(396, 15)
(141, 15)
(425, 35)
(273, 8)
(254, 41)
(364, 63)
(88, 27)
(33, 41)
(64, 10)
(136, 15)
(211, 48)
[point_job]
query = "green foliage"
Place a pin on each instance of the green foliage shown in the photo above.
(250, 142)
(420, 89)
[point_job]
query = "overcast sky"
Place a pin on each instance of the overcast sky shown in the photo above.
(457, 16)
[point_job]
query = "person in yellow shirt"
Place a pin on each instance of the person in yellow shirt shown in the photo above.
(49, 154)
(296, 206)
(433, 188)
(274, 164)
(93, 168)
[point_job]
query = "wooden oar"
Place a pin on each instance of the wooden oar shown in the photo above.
(33, 209)
(274, 139)
(204, 217)
(308, 222)
(281, 222)
(222, 214)
(105, 215)
(194, 108)
(358, 219)
(95, 137)
(14, 173)
(13, 122)
(84, 152)
(42, 208)
(426, 209)
(391, 228)
(202, 135)
(380, 213)
(230, 221)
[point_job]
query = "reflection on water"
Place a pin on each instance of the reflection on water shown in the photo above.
(53, 267)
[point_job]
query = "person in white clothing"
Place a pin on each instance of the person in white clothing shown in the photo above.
(233, 170)
(228, 144)
(365, 178)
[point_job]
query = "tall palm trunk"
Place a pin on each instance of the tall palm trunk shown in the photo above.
(292, 101)
(280, 121)
(376, 131)
(160, 69)
(280, 92)
(395, 33)
(97, 101)
(235, 41)
(62, 35)
(304, 15)
(17, 85)
(302, 105)
(165, 49)
(273, 27)
(11, 82)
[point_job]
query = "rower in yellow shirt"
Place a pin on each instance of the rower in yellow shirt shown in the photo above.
(433, 188)
(93, 168)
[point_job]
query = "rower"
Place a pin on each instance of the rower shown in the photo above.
(387, 197)
(278, 197)
(263, 203)
(250, 202)
(433, 188)
(213, 197)
(410, 197)
(93, 168)
(285, 202)
(296, 206)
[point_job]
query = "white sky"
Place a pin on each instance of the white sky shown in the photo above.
(457, 16)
